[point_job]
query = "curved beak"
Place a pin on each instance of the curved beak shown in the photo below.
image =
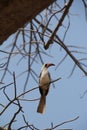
(50, 64)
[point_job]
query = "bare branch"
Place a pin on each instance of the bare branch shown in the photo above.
(14, 116)
(85, 6)
(68, 5)
(68, 121)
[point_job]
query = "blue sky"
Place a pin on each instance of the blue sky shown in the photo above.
(64, 101)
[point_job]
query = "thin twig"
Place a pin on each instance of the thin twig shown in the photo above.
(65, 122)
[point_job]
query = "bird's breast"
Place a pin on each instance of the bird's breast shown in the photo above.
(44, 79)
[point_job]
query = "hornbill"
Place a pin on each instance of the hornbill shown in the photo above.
(44, 84)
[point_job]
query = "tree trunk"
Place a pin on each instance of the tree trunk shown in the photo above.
(15, 14)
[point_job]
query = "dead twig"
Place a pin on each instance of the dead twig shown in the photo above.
(68, 121)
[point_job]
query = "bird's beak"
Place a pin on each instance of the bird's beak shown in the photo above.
(50, 64)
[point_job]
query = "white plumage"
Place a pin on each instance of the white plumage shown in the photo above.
(44, 85)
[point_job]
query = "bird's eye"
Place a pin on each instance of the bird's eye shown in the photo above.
(45, 65)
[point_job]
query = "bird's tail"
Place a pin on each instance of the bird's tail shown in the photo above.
(42, 104)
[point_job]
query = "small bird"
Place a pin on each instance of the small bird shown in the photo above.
(44, 84)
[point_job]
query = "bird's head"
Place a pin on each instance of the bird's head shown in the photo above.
(47, 65)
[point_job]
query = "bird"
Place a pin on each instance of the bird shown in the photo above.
(44, 85)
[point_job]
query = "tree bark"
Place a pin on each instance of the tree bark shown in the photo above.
(15, 14)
